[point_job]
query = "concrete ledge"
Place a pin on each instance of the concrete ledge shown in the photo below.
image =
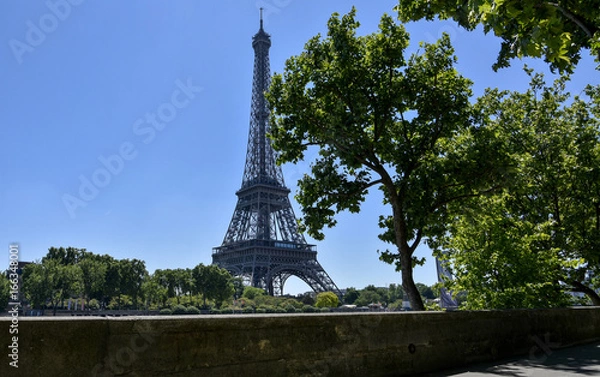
(337, 344)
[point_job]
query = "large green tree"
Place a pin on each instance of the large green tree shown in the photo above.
(93, 276)
(166, 279)
(133, 273)
(380, 119)
(93, 268)
(65, 256)
(213, 282)
(556, 30)
(178, 282)
(395, 292)
(539, 237)
(112, 285)
(368, 297)
(350, 296)
(153, 292)
(51, 281)
(37, 285)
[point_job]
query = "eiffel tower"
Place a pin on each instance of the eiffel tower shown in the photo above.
(262, 244)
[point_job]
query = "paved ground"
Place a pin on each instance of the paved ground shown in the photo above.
(575, 361)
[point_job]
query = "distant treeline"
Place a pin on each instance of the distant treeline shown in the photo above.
(103, 282)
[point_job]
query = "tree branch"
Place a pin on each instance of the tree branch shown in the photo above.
(573, 18)
(597, 205)
(371, 184)
(465, 196)
(308, 144)
(417, 241)
(580, 287)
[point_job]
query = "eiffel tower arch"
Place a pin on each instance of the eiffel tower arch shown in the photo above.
(262, 244)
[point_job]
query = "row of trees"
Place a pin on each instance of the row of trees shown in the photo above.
(73, 273)
(386, 296)
(70, 272)
(105, 282)
(505, 188)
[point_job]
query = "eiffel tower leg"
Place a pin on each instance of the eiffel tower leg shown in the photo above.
(320, 280)
(278, 283)
(257, 279)
(269, 284)
(255, 276)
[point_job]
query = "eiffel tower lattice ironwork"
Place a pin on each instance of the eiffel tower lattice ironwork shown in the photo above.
(263, 244)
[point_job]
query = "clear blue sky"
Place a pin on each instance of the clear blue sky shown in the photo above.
(76, 87)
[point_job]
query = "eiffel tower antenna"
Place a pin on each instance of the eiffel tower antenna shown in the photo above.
(263, 244)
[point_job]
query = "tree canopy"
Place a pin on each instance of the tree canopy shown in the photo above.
(213, 283)
(555, 30)
(327, 300)
(539, 237)
(51, 281)
(381, 119)
(70, 272)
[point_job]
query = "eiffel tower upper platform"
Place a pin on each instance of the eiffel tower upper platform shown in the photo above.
(263, 244)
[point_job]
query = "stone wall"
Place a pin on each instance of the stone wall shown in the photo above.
(336, 344)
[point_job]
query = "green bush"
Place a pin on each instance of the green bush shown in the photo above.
(252, 293)
(433, 306)
(126, 303)
(327, 300)
(293, 302)
(166, 311)
(396, 305)
(261, 310)
(152, 306)
(179, 309)
(192, 310)
(290, 308)
(247, 302)
(308, 309)
(248, 310)
(93, 304)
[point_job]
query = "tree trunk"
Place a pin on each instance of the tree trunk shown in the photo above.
(406, 267)
(408, 283)
(580, 287)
